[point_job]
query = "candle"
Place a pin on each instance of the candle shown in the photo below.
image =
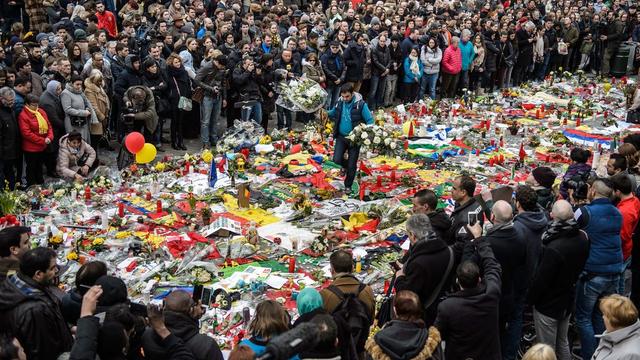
(87, 193)
(578, 122)
(522, 153)
(121, 209)
(488, 124)
(159, 206)
(491, 161)
(406, 144)
(358, 264)
(493, 142)
(148, 195)
(501, 141)
(501, 158)
(187, 167)
(362, 188)
(292, 264)
(393, 175)
(379, 181)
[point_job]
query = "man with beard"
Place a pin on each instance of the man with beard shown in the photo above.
(35, 58)
(31, 311)
(106, 20)
(23, 67)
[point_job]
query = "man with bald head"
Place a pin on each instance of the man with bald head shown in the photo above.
(181, 316)
(565, 249)
(602, 222)
(511, 252)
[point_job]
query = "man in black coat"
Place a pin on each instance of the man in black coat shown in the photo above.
(468, 319)
(10, 144)
(425, 270)
(467, 210)
(511, 252)
(335, 70)
(380, 68)
(50, 103)
(552, 291)
(425, 201)
(130, 76)
(354, 57)
(30, 311)
(526, 38)
(181, 316)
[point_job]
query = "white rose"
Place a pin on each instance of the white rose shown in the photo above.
(376, 140)
(393, 146)
(367, 142)
(387, 141)
(364, 135)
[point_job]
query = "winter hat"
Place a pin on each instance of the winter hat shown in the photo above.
(375, 21)
(305, 19)
(79, 35)
(40, 37)
(308, 300)
(114, 291)
(544, 176)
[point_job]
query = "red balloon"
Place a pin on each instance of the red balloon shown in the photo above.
(134, 142)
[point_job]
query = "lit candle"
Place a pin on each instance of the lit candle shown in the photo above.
(121, 209)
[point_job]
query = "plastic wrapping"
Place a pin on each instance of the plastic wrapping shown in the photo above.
(303, 95)
(242, 134)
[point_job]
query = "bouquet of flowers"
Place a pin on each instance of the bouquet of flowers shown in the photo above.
(200, 275)
(242, 134)
(375, 138)
(302, 95)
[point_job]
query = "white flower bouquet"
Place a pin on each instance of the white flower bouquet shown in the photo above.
(303, 95)
(375, 138)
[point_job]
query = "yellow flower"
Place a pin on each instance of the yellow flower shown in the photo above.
(160, 166)
(122, 234)
(265, 139)
(56, 239)
(72, 256)
(207, 156)
(97, 242)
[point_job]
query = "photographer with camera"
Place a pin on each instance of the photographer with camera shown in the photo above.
(139, 113)
(248, 89)
(211, 78)
(75, 157)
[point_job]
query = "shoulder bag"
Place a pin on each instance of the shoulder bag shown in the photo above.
(184, 103)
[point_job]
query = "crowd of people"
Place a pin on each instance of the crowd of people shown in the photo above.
(105, 69)
(76, 75)
(462, 291)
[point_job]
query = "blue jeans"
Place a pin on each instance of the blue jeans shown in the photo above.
(334, 95)
(542, 70)
(589, 290)
(428, 84)
(255, 113)
(343, 145)
(376, 91)
(622, 285)
(209, 114)
(514, 331)
(285, 117)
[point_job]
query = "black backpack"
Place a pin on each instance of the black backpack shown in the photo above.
(352, 312)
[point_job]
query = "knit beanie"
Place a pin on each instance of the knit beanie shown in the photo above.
(375, 21)
(544, 176)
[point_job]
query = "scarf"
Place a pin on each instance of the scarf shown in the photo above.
(43, 127)
(414, 67)
(559, 227)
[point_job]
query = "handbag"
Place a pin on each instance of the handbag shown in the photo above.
(78, 121)
(563, 49)
(184, 103)
(385, 313)
(198, 94)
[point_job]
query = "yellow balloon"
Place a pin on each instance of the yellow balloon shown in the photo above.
(147, 154)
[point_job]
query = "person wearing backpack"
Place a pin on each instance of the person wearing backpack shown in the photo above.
(350, 302)
(428, 267)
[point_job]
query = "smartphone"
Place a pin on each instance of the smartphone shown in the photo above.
(197, 292)
(472, 218)
(394, 265)
(206, 297)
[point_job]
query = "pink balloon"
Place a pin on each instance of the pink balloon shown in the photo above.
(134, 142)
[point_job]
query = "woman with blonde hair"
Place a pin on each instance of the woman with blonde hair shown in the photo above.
(540, 352)
(621, 340)
(270, 320)
(95, 93)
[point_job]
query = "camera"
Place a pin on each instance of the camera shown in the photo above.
(579, 184)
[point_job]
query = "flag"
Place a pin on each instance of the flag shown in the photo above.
(213, 173)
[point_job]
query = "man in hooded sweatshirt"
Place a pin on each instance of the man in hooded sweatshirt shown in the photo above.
(530, 223)
(131, 76)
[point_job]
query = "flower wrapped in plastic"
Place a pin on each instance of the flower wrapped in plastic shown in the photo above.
(302, 94)
(376, 139)
(241, 134)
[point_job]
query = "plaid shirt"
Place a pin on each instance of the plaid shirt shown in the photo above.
(23, 287)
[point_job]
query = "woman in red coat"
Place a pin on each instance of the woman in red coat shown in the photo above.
(36, 136)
